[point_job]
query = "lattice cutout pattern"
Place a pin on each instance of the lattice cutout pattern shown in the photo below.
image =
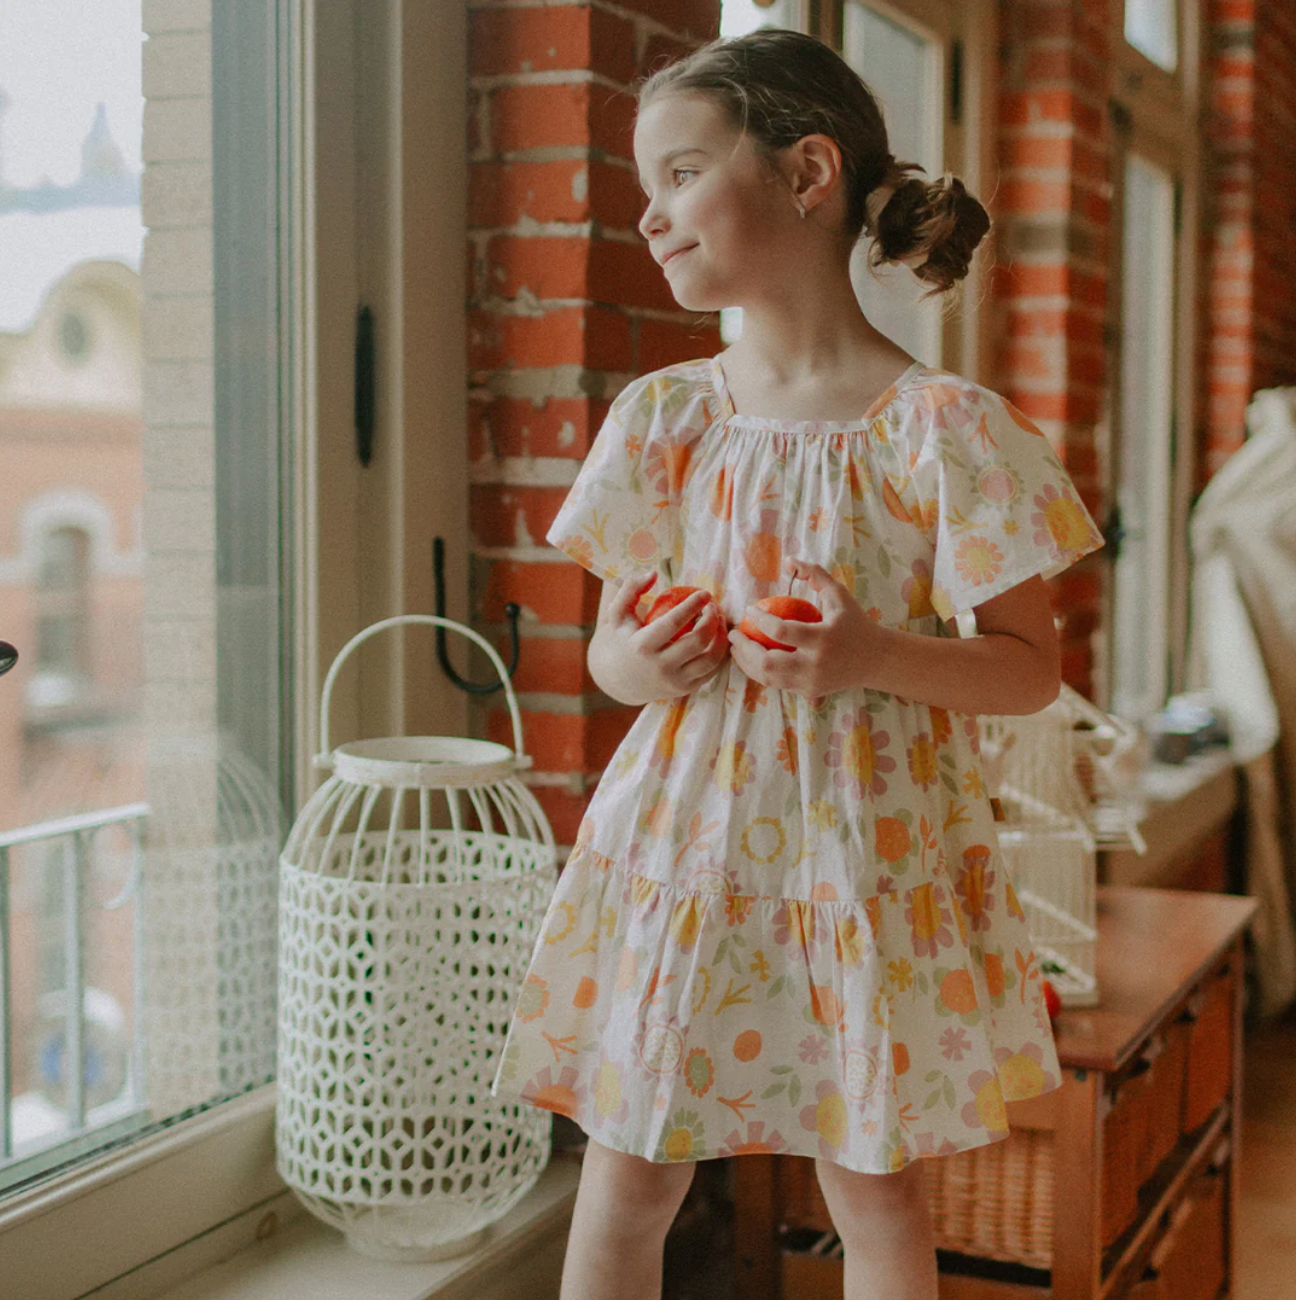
(402, 952)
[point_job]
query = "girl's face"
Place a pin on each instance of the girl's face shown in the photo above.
(717, 219)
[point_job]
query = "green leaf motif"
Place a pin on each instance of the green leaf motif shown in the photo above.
(772, 1091)
(780, 1069)
(949, 1094)
(794, 1091)
(932, 1100)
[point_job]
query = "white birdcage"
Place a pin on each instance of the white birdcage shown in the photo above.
(406, 921)
(1065, 779)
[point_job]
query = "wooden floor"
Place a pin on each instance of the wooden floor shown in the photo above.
(1267, 1227)
(699, 1255)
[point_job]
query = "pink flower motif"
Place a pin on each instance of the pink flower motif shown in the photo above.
(798, 928)
(754, 1143)
(925, 1146)
(827, 1116)
(953, 1043)
(562, 1095)
(856, 757)
(812, 1049)
(884, 885)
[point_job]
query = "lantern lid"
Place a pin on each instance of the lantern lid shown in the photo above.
(432, 761)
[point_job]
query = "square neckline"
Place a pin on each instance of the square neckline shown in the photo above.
(879, 404)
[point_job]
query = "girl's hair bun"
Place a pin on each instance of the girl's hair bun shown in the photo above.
(933, 226)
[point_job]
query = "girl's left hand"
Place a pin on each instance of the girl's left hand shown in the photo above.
(828, 656)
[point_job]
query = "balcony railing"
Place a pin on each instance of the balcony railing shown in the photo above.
(81, 1126)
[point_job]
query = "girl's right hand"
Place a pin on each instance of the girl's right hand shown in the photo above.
(654, 668)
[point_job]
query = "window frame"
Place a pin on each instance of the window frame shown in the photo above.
(1157, 115)
(378, 193)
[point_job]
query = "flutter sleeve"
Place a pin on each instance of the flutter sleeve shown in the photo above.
(622, 513)
(998, 501)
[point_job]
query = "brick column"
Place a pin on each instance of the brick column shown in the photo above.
(1249, 299)
(565, 307)
(1053, 210)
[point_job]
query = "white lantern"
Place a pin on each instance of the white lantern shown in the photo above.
(1065, 787)
(403, 942)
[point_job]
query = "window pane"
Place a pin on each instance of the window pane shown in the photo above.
(143, 755)
(1150, 28)
(1146, 411)
(903, 69)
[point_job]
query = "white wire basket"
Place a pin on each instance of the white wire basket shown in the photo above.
(1065, 781)
(412, 889)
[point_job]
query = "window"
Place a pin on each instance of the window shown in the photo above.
(1142, 582)
(62, 667)
(145, 389)
(1151, 27)
(1156, 185)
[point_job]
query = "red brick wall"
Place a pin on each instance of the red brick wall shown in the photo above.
(566, 306)
(1052, 209)
(1249, 307)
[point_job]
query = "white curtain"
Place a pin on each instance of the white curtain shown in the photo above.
(1243, 650)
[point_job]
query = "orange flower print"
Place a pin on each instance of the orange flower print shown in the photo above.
(826, 1008)
(785, 752)
(892, 840)
(994, 973)
(666, 743)
(856, 755)
(737, 908)
(733, 767)
(1059, 521)
(974, 884)
(826, 1116)
(643, 546)
(929, 922)
(754, 1141)
(999, 485)
(699, 1072)
(657, 820)
(720, 498)
(560, 1095)
(922, 761)
(534, 999)
(942, 729)
(762, 551)
(900, 973)
(916, 590)
(978, 560)
(1015, 909)
(579, 548)
(849, 941)
(764, 840)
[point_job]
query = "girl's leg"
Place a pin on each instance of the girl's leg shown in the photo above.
(885, 1225)
(624, 1206)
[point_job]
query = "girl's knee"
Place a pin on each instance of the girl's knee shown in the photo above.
(644, 1191)
(905, 1190)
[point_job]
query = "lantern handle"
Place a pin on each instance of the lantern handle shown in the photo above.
(324, 757)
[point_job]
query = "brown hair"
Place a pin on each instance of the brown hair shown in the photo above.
(779, 86)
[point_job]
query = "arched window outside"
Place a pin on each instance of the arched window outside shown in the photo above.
(62, 616)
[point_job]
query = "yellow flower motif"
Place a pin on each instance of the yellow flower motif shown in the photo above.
(809, 735)
(900, 973)
(555, 935)
(775, 846)
(733, 767)
(1010, 526)
(625, 763)
(686, 921)
(830, 1119)
(607, 1089)
(679, 1144)
(823, 814)
(882, 1010)
(849, 941)
(704, 988)
(972, 783)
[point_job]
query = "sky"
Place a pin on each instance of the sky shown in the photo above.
(58, 60)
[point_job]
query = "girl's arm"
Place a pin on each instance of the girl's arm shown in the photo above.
(1012, 666)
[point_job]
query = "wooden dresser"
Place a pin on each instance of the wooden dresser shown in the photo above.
(1132, 1181)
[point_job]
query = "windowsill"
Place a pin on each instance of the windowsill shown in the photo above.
(1185, 802)
(306, 1260)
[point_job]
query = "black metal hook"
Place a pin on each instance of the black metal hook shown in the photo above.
(512, 610)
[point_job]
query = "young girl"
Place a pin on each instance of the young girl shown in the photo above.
(785, 925)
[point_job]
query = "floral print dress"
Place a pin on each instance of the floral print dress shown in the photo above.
(785, 925)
